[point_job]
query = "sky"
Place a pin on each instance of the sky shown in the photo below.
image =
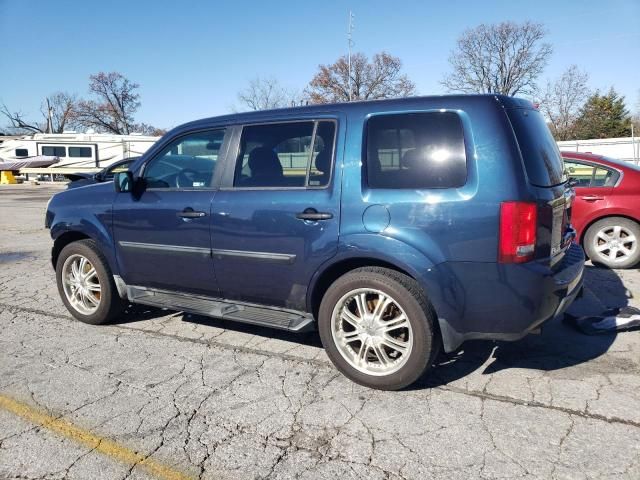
(192, 57)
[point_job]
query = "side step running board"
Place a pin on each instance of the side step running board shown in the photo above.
(274, 317)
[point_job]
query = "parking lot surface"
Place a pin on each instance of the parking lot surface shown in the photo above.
(168, 395)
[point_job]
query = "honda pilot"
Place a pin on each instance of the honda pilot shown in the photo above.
(393, 227)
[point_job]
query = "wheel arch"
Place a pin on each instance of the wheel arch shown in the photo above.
(63, 240)
(336, 269)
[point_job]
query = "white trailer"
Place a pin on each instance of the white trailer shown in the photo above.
(78, 150)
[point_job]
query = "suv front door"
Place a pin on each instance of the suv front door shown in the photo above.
(162, 233)
(275, 218)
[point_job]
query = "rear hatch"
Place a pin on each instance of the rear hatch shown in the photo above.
(545, 172)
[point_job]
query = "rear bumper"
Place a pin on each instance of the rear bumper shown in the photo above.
(504, 302)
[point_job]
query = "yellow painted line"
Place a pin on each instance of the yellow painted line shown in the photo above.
(85, 437)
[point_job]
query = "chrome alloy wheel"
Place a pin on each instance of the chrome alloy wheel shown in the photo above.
(615, 243)
(81, 284)
(371, 332)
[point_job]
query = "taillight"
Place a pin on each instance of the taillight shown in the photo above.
(517, 232)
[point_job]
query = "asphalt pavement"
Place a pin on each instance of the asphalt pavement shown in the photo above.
(164, 394)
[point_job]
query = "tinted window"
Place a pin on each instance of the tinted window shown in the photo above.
(54, 151)
(539, 150)
(187, 162)
(84, 152)
(22, 152)
(281, 155)
(416, 150)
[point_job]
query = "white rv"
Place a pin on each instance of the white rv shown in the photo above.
(81, 150)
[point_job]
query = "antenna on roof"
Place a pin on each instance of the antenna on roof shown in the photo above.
(351, 43)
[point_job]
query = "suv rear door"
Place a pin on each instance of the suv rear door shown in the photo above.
(275, 218)
(545, 172)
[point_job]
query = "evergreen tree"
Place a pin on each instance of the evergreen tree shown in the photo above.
(604, 116)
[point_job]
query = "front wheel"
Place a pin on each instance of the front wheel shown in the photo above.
(86, 285)
(613, 242)
(378, 328)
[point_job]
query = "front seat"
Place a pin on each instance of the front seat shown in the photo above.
(266, 169)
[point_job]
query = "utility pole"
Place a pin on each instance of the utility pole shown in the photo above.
(49, 117)
(351, 44)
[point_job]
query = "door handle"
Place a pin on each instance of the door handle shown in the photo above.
(592, 198)
(313, 215)
(190, 213)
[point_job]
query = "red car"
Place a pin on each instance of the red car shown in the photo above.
(606, 212)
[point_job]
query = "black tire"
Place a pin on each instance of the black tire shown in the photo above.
(602, 259)
(410, 297)
(111, 305)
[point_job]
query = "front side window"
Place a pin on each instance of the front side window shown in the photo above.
(187, 162)
(285, 155)
(51, 151)
(120, 167)
(415, 151)
(22, 152)
(83, 152)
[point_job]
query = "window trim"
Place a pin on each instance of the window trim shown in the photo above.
(595, 166)
(364, 153)
(233, 159)
(215, 179)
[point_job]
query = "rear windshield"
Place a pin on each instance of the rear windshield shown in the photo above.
(539, 150)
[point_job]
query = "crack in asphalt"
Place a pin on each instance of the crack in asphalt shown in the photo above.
(483, 395)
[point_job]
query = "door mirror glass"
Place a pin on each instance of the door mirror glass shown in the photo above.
(123, 181)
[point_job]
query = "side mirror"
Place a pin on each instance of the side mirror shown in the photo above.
(573, 182)
(123, 181)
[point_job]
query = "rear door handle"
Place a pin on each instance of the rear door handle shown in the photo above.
(191, 213)
(592, 198)
(313, 215)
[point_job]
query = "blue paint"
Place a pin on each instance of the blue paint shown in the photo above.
(445, 238)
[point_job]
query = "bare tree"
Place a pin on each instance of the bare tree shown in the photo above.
(60, 105)
(62, 109)
(18, 123)
(505, 58)
(115, 103)
(379, 78)
(266, 93)
(562, 101)
(147, 129)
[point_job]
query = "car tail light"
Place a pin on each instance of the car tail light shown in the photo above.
(518, 222)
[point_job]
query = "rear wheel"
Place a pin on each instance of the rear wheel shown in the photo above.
(377, 328)
(613, 242)
(86, 285)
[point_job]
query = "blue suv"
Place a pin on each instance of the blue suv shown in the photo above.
(393, 227)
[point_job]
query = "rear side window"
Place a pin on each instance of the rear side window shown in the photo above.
(587, 175)
(416, 150)
(538, 148)
(285, 155)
